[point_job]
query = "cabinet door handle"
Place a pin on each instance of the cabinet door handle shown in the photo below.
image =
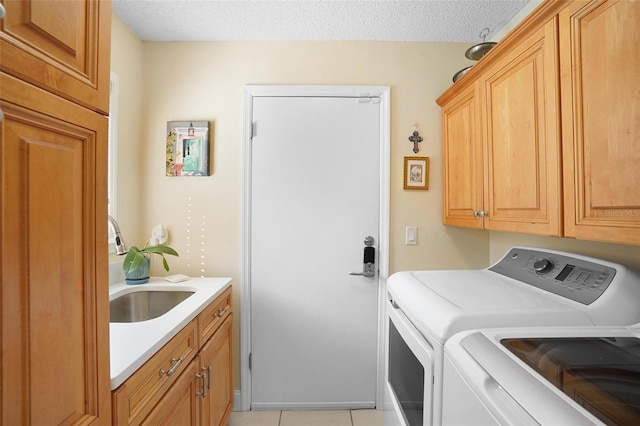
(204, 376)
(176, 363)
(221, 312)
(204, 391)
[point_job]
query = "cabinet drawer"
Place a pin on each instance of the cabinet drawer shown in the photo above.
(213, 315)
(137, 396)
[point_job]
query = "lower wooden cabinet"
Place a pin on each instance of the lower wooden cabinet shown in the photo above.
(199, 390)
(216, 363)
(136, 397)
(179, 406)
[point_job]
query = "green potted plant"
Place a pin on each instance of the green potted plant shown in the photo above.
(137, 263)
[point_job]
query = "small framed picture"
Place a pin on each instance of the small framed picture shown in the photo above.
(416, 173)
(187, 148)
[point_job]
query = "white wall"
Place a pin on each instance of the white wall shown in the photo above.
(127, 63)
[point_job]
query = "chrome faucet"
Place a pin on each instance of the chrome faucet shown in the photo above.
(121, 247)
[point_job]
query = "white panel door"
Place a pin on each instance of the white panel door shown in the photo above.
(314, 198)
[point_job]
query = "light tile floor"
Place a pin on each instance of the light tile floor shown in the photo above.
(308, 418)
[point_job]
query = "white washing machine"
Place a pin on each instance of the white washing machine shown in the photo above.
(527, 287)
(543, 376)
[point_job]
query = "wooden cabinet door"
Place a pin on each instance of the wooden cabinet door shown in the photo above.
(216, 361)
(53, 271)
(599, 46)
(64, 47)
(522, 188)
(179, 406)
(462, 159)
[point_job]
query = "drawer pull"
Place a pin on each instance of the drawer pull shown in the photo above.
(221, 312)
(176, 363)
(162, 372)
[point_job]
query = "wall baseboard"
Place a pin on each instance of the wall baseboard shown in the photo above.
(237, 398)
(237, 405)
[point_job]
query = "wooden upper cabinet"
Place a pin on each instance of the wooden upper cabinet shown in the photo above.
(60, 46)
(501, 138)
(600, 51)
(521, 137)
(462, 159)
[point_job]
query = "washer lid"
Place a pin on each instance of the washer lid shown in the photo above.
(506, 386)
(443, 303)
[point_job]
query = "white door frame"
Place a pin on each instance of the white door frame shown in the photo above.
(250, 92)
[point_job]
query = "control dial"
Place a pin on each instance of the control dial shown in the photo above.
(542, 266)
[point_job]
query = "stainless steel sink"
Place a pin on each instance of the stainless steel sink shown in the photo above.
(144, 305)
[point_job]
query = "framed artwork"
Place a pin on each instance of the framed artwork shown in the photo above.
(187, 148)
(416, 173)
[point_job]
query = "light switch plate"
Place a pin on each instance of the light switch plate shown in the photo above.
(411, 235)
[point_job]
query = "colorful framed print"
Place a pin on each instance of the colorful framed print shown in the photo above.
(187, 148)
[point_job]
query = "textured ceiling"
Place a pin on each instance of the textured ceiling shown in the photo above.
(387, 20)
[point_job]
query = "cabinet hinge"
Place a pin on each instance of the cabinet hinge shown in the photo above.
(250, 360)
(252, 130)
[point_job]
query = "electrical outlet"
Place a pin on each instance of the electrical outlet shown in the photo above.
(159, 235)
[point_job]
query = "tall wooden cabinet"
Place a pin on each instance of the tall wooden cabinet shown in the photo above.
(54, 70)
(559, 127)
(600, 51)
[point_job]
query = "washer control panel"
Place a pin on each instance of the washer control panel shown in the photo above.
(576, 279)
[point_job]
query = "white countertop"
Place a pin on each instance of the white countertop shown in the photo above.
(132, 344)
